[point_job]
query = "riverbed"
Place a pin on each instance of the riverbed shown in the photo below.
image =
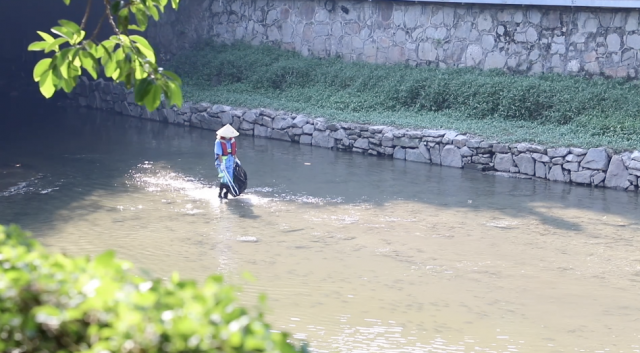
(355, 253)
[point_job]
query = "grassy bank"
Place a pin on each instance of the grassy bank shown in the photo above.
(548, 109)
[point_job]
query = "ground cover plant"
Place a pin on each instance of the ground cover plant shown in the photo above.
(55, 303)
(549, 109)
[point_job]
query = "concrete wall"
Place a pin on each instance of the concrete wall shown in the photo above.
(526, 39)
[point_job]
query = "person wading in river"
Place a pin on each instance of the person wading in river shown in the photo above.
(225, 150)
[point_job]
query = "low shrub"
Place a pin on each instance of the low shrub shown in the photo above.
(56, 303)
(253, 76)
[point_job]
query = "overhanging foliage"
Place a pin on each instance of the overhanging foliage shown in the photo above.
(56, 303)
(122, 57)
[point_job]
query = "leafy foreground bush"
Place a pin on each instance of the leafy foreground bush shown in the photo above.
(550, 109)
(55, 303)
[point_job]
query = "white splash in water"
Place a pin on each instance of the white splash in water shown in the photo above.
(501, 224)
(46, 191)
(247, 239)
(157, 178)
(21, 188)
(26, 187)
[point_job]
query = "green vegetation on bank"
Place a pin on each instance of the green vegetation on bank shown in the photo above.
(55, 303)
(549, 109)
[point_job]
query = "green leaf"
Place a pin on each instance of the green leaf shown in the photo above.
(89, 62)
(67, 85)
(135, 28)
(123, 20)
(63, 32)
(64, 56)
(254, 344)
(105, 260)
(64, 69)
(129, 80)
(116, 6)
(144, 47)
(102, 52)
(109, 44)
(175, 95)
(162, 4)
(46, 84)
(78, 38)
(142, 41)
(66, 2)
(110, 66)
(142, 19)
(116, 76)
(56, 76)
(76, 61)
(172, 76)
(175, 277)
(38, 46)
(154, 98)
(46, 36)
(90, 45)
(96, 50)
(175, 3)
(126, 67)
(41, 67)
(154, 12)
(138, 70)
(55, 44)
(71, 26)
(119, 54)
(74, 72)
(141, 90)
(248, 277)
(110, 63)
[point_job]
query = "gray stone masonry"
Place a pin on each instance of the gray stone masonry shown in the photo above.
(525, 39)
(595, 167)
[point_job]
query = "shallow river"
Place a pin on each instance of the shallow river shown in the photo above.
(355, 253)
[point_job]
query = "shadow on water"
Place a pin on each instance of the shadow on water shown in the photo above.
(358, 178)
(244, 210)
(97, 150)
(62, 148)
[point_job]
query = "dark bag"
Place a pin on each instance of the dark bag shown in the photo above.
(239, 180)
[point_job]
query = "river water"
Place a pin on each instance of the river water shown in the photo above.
(355, 253)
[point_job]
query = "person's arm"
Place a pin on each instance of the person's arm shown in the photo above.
(234, 148)
(217, 150)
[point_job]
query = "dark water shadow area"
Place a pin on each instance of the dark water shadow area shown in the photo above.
(376, 180)
(81, 152)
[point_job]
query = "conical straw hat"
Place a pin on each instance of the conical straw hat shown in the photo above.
(227, 131)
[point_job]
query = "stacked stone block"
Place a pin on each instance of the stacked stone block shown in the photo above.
(598, 167)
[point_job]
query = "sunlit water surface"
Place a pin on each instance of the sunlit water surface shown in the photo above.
(355, 253)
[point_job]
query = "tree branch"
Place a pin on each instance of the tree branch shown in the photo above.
(95, 33)
(86, 15)
(110, 15)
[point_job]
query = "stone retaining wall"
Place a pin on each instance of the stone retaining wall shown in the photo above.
(598, 167)
(527, 39)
